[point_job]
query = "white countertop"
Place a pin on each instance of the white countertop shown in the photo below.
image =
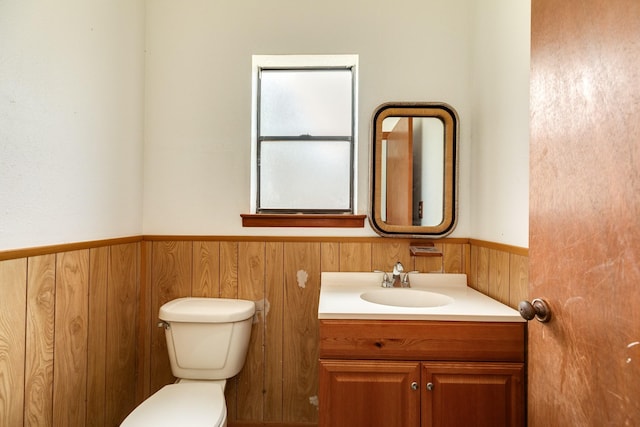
(340, 299)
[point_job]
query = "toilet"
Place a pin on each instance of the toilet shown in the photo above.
(207, 342)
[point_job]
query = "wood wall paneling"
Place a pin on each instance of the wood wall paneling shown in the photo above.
(121, 337)
(330, 256)
(301, 333)
(206, 269)
(518, 279)
(97, 338)
(170, 279)
(40, 340)
(13, 283)
(251, 286)
(106, 353)
(499, 275)
(273, 323)
(354, 257)
(71, 332)
(145, 324)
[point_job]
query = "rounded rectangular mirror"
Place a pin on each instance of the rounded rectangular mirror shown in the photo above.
(414, 169)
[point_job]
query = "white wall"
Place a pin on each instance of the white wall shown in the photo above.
(198, 93)
(500, 122)
(70, 120)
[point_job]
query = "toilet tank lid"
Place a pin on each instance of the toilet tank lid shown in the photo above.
(207, 310)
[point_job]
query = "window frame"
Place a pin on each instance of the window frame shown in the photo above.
(302, 62)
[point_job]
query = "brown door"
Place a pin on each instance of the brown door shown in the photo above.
(400, 173)
(584, 365)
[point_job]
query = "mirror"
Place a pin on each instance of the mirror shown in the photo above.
(414, 169)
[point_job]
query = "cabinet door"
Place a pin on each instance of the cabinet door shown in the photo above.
(473, 394)
(360, 393)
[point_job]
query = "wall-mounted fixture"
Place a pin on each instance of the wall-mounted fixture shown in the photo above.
(414, 156)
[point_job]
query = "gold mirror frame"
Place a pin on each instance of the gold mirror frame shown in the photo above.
(449, 118)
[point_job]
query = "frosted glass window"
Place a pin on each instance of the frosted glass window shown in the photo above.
(305, 142)
(305, 102)
(305, 175)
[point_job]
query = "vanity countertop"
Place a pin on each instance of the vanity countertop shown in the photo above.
(340, 298)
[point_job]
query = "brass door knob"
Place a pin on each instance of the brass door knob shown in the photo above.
(537, 308)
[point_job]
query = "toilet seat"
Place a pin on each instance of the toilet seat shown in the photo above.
(192, 404)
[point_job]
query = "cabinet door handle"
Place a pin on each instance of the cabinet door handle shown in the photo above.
(429, 386)
(414, 386)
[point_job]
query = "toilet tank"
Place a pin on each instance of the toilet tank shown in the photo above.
(207, 338)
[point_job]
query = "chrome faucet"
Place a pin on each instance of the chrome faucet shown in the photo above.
(396, 275)
(397, 279)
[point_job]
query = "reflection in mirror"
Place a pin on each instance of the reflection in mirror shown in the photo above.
(414, 170)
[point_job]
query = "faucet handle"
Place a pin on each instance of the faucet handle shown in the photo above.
(405, 279)
(398, 268)
(386, 281)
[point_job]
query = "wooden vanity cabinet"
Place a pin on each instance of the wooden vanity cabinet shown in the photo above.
(369, 393)
(481, 394)
(421, 373)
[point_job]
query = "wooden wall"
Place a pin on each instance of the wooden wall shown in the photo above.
(279, 383)
(68, 337)
(79, 342)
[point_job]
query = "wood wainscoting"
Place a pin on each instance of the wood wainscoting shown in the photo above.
(79, 342)
(68, 336)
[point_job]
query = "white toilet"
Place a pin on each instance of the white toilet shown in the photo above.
(207, 341)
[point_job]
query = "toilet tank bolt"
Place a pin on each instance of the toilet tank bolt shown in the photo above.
(163, 324)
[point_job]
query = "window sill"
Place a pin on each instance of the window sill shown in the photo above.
(303, 220)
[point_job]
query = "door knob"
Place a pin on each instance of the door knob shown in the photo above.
(537, 308)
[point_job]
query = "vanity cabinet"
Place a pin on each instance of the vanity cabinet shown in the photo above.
(369, 393)
(421, 373)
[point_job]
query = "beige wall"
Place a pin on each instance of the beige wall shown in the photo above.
(198, 92)
(79, 92)
(70, 120)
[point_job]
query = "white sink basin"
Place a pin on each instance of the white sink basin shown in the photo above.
(432, 296)
(405, 297)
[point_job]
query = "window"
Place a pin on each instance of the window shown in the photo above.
(304, 134)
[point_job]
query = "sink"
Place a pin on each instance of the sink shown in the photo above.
(404, 297)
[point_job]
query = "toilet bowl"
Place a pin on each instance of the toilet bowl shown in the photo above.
(207, 342)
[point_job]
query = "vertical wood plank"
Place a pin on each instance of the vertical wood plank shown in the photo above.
(428, 264)
(482, 272)
(97, 338)
(13, 289)
(229, 289)
(273, 315)
(355, 257)
(385, 254)
(70, 352)
(120, 351)
(472, 274)
(229, 269)
(41, 283)
(145, 324)
(499, 275)
(518, 279)
(171, 278)
(452, 258)
(206, 269)
(301, 334)
(251, 277)
(330, 256)
(466, 258)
